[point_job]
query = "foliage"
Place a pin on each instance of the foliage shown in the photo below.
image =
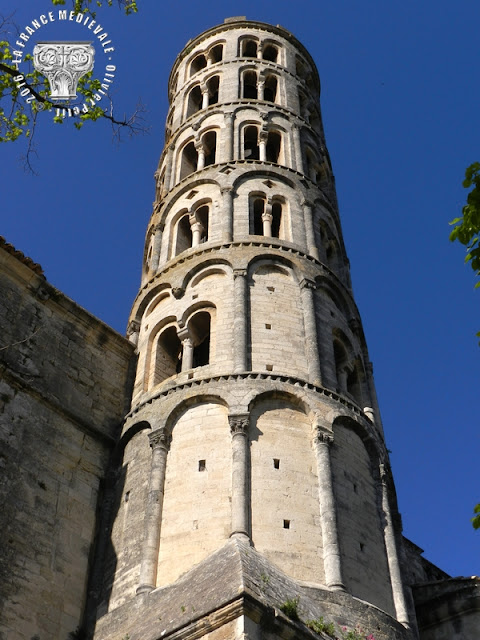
(290, 608)
(476, 517)
(319, 626)
(356, 634)
(467, 228)
(467, 231)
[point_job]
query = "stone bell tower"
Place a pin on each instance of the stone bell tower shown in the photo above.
(252, 469)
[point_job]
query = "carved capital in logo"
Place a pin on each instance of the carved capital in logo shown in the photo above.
(63, 63)
(239, 424)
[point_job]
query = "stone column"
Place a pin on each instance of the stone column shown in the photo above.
(307, 288)
(328, 516)
(157, 246)
(267, 222)
(227, 230)
(240, 319)
(308, 217)
(169, 167)
(298, 148)
(392, 554)
(240, 490)
(228, 146)
(260, 88)
(160, 443)
(187, 349)
(197, 229)
(201, 155)
(262, 146)
(204, 89)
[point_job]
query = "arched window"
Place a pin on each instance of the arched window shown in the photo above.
(199, 328)
(249, 48)
(189, 160)
(198, 63)
(341, 372)
(250, 85)
(258, 211)
(270, 53)
(216, 53)
(266, 219)
(209, 143)
(273, 147)
(212, 86)
(183, 238)
(270, 90)
(201, 218)
(277, 230)
(250, 143)
(168, 356)
(192, 229)
(194, 102)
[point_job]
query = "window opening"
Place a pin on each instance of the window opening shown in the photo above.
(199, 327)
(250, 85)
(250, 144)
(194, 101)
(270, 90)
(270, 53)
(274, 143)
(258, 209)
(184, 235)
(209, 142)
(168, 359)
(198, 63)
(212, 86)
(189, 160)
(277, 219)
(249, 49)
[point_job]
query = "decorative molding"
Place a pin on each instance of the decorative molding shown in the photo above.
(160, 439)
(323, 437)
(239, 424)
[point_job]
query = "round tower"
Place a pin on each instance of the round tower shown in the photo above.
(254, 419)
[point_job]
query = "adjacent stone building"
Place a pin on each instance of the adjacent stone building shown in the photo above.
(248, 491)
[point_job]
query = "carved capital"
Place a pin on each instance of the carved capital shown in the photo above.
(385, 473)
(307, 203)
(323, 437)
(178, 292)
(226, 190)
(239, 273)
(160, 439)
(239, 424)
(307, 283)
(229, 116)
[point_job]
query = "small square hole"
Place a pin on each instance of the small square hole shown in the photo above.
(271, 288)
(195, 295)
(286, 524)
(202, 465)
(362, 546)
(190, 376)
(127, 496)
(354, 487)
(269, 367)
(268, 326)
(276, 463)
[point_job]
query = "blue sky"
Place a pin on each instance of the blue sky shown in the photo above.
(400, 103)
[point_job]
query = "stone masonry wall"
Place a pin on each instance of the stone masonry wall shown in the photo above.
(64, 384)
